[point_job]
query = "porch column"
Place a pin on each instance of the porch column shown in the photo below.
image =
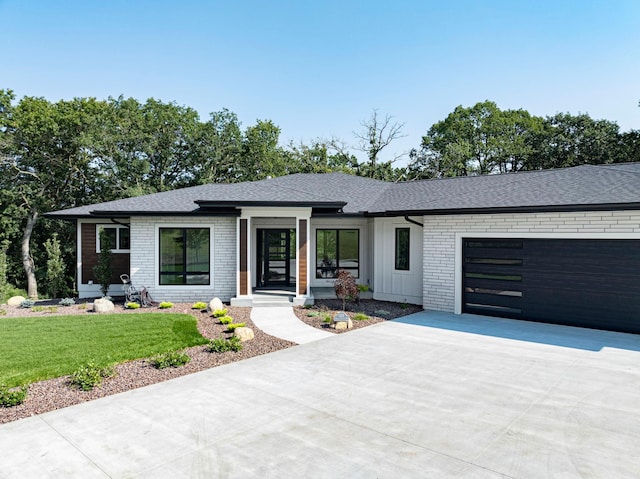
(244, 249)
(302, 239)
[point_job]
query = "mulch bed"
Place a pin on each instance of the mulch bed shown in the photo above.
(377, 311)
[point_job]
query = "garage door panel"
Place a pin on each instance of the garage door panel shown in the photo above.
(590, 283)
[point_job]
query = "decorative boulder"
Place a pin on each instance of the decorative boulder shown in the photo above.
(214, 305)
(245, 334)
(103, 305)
(15, 300)
(341, 321)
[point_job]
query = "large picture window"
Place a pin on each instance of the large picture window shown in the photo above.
(402, 249)
(337, 249)
(117, 236)
(184, 256)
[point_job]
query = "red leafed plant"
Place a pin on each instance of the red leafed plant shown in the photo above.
(346, 287)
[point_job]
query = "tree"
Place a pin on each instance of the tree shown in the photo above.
(377, 134)
(220, 149)
(55, 266)
(46, 161)
(261, 156)
(102, 270)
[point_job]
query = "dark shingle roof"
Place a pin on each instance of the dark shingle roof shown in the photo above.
(582, 186)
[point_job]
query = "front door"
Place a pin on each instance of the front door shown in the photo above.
(275, 258)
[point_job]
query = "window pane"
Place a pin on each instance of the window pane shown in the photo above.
(111, 236)
(348, 254)
(326, 253)
(197, 251)
(402, 249)
(197, 279)
(171, 250)
(124, 238)
(171, 279)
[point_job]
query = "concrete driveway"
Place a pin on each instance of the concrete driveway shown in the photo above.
(435, 395)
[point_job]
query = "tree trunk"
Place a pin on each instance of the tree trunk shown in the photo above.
(27, 260)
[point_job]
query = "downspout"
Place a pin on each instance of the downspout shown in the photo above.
(406, 218)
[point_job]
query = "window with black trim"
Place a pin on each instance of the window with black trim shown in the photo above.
(402, 249)
(185, 256)
(337, 249)
(117, 235)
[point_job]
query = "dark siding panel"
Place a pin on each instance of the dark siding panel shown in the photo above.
(302, 255)
(120, 262)
(244, 273)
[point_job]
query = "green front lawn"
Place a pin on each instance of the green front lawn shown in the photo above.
(37, 348)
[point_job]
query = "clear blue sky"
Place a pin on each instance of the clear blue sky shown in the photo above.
(318, 68)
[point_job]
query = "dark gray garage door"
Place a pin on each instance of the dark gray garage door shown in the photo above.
(588, 283)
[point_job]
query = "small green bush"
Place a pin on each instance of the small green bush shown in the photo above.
(363, 288)
(37, 309)
(312, 314)
(231, 327)
(10, 397)
(132, 305)
(165, 305)
(360, 317)
(382, 313)
(218, 313)
(90, 375)
(67, 302)
(225, 320)
(27, 303)
(52, 309)
(222, 345)
(82, 306)
(326, 319)
(172, 359)
(199, 305)
(2, 312)
(404, 306)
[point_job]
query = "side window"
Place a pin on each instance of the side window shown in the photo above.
(117, 235)
(184, 256)
(337, 249)
(402, 249)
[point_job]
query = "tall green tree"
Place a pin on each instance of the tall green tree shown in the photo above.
(47, 161)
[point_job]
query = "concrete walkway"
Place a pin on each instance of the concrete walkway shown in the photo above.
(433, 395)
(281, 322)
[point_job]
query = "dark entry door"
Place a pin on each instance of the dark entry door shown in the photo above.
(274, 257)
(579, 282)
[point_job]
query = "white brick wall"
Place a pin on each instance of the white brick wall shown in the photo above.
(442, 235)
(144, 258)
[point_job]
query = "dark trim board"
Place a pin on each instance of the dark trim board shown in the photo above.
(591, 283)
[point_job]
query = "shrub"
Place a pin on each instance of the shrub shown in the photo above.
(363, 288)
(165, 305)
(222, 345)
(82, 306)
(382, 313)
(132, 305)
(27, 303)
(312, 314)
(326, 319)
(2, 312)
(90, 375)
(37, 309)
(360, 317)
(218, 313)
(52, 309)
(231, 327)
(102, 270)
(199, 305)
(346, 287)
(10, 397)
(225, 320)
(170, 360)
(67, 302)
(55, 265)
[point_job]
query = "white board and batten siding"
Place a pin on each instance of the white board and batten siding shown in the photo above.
(389, 283)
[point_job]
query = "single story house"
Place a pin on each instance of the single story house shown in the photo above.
(559, 246)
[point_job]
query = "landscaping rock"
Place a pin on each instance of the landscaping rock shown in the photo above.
(214, 305)
(103, 305)
(245, 334)
(342, 324)
(15, 300)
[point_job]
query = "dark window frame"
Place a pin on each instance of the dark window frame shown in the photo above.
(403, 258)
(184, 273)
(337, 265)
(118, 241)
